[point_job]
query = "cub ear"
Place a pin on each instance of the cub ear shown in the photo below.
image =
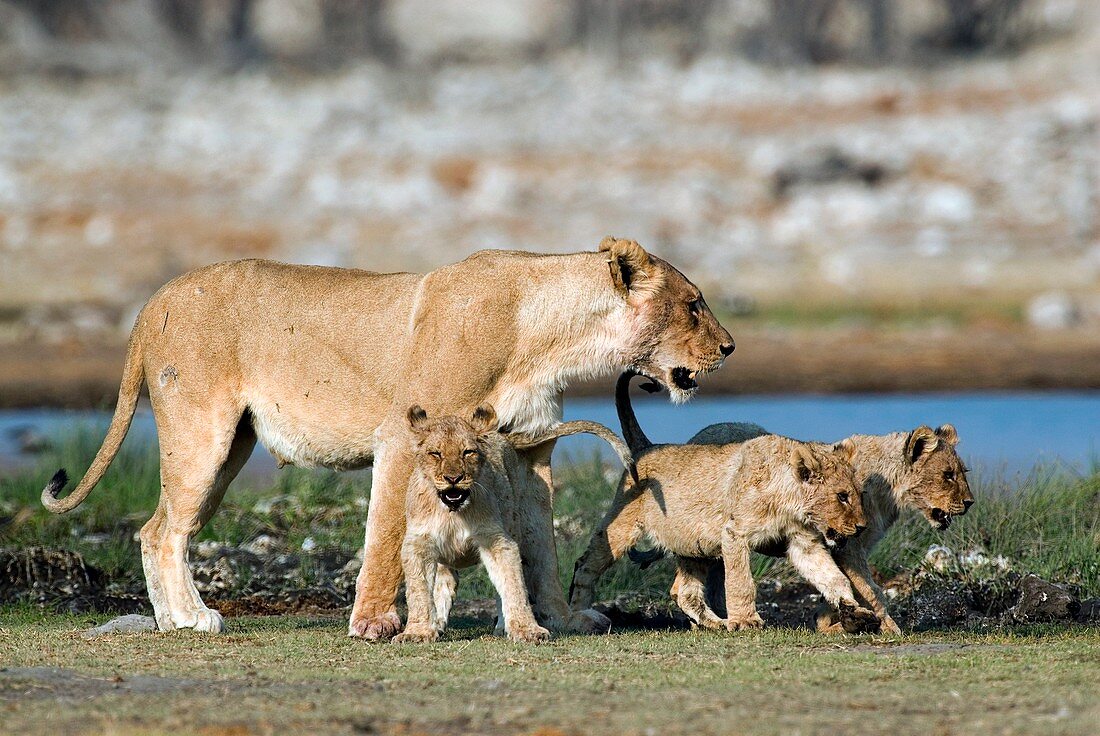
(803, 463)
(629, 262)
(845, 449)
(484, 419)
(919, 443)
(418, 418)
(947, 433)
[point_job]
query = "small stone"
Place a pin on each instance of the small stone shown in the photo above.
(131, 623)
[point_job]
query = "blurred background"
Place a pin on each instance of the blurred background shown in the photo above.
(874, 195)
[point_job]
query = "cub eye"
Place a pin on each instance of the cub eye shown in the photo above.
(469, 453)
(949, 475)
(842, 497)
(436, 454)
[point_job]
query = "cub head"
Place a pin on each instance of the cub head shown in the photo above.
(675, 337)
(935, 477)
(826, 477)
(448, 451)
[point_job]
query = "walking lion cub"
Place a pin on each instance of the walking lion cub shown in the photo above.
(468, 500)
(704, 502)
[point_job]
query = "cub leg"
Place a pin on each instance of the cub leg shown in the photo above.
(740, 587)
(446, 582)
(420, 569)
(501, 558)
(374, 613)
(853, 563)
(817, 565)
(618, 532)
(689, 591)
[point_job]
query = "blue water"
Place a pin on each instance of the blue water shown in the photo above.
(1001, 433)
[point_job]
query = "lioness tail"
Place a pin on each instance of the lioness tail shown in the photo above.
(133, 373)
(527, 440)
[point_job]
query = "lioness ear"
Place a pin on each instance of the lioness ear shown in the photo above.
(947, 433)
(418, 418)
(484, 419)
(803, 462)
(629, 261)
(846, 449)
(920, 442)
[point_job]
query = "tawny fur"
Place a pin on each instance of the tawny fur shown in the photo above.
(468, 500)
(319, 364)
(702, 502)
(918, 470)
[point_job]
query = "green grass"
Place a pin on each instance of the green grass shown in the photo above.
(294, 674)
(1047, 523)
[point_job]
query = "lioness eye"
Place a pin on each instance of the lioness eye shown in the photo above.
(842, 497)
(695, 306)
(949, 475)
(435, 454)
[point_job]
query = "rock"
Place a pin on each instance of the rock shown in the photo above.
(1089, 613)
(131, 623)
(827, 166)
(937, 604)
(950, 204)
(1044, 601)
(29, 440)
(288, 28)
(1054, 310)
(265, 544)
(939, 558)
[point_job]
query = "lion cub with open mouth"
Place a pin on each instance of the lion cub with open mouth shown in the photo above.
(467, 502)
(703, 502)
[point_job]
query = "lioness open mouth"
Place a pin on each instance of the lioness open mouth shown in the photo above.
(941, 518)
(454, 498)
(684, 378)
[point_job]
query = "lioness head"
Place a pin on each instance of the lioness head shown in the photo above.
(448, 451)
(676, 337)
(828, 479)
(935, 481)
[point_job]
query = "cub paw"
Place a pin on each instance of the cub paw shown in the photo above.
(856, 619)
(416, 634)
(375, 628)
(529, 634)
(889, 626)
(752, 621)
(589, 621)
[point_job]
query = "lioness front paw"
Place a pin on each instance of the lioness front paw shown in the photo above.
(856, 619)
(741, 623)
(417, 633)
(528, 634)
(374, 628)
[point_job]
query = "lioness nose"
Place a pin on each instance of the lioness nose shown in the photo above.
(727, 348)
(454, 479)
(967, 504)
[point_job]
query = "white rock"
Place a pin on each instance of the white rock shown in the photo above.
(949, 203)
(939, 558)
(309, 544)
(1054, 310)
(128, 624)
(288, 27)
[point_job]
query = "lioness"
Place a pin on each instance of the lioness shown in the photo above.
(703, 502)
(463, 506)
(317, 364)
(919, 470)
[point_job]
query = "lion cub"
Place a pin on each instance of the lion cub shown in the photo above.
(466, 502)
(703, 502)
(919, 470)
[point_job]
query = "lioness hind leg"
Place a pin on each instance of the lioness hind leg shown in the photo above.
(195, 472)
